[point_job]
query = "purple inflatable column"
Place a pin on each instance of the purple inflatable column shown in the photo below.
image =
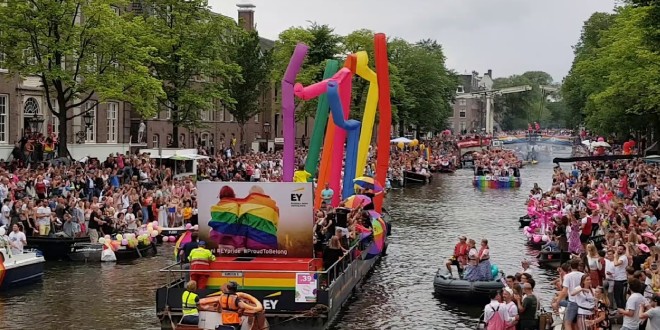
(288, 111)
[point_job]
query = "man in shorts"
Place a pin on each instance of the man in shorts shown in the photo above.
(459, 259)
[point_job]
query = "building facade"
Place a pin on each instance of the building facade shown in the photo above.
(115, 125)
(469, 108)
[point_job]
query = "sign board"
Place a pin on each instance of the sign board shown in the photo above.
(306, 284)
(257, 219)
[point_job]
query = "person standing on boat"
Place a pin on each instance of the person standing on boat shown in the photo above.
(231, 306)
(459, 258)
(189, 303)
(200, 260)
(17, 239)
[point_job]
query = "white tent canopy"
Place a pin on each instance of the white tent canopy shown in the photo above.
(401, 139)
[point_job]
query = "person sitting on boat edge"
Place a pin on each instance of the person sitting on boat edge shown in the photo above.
(459, 258)
(231, 307)
(189, 303)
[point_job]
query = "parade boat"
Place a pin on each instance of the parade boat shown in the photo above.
(295, 293)
(445, 166)
(54, 247)
(414, 178)
(261, 235)
(496, 182)
(553, 259)
(170, 232)
(20, 269)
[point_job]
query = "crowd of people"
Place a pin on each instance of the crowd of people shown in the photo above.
(498, 162)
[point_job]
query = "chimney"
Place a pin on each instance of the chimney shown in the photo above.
(246, 15)
(490, 73)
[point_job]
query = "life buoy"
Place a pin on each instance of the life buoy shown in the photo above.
(212, 303)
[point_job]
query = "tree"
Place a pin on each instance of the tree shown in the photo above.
(193, 64)
(83, 54)
(324, 44)
(255, 63)
(516, 110)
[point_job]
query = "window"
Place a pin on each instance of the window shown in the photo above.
(115, 9)
(155, 140)
(462, 101)
(4, 110)
(460, 89)
(29, 57)
(2, 62)
(229, 116)
(205, 137)
(205, 115)
(256, 118)
(462, 127)
(91, 132)
(168, 111)
(461, 114)
(112, 118)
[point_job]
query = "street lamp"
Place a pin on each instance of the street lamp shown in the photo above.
(36, 122)
(267, 133)
(88, 120)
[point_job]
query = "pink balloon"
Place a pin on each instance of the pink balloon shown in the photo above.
(188, 226)
(124, 242)
(172, 239)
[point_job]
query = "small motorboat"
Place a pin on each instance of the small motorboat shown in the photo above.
(91, 252)
(525, 221)
(553, 259)
(412, 178)
(54, 247)
(477, 292)
(20, 269)
(446, 167)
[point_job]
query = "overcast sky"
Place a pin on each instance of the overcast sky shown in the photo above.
(507, 36)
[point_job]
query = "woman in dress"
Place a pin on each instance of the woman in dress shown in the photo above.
(469, 272)
(601, 320)
(586, 301)
(594, 265)
(482, 271)
(574, 245)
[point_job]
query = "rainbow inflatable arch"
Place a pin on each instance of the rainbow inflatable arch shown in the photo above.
(496, 182)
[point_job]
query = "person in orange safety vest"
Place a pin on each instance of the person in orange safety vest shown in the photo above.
(200, 259)
(231, 306)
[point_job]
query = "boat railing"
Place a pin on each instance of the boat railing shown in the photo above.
(176, 273)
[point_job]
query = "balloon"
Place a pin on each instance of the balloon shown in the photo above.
(400, 145)
(188, 226)
(119, 237)
(166, 238)
(384, 113)
(414, 142)
(545, 238)
(528, 234)
(422, 146)
(124, 242)
(107, 237)
(102, 240)
(350, 126)
(3, 231)
(288, 110)
(537, 238)
(196, 227)
(494, 270)
(369, 116)
(320, 122)
(172, 239)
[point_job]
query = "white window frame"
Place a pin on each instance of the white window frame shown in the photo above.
(460, 89)
(168, 110)
(462, 101)
(90, 134)
(154, 140)
(4, 118)
(256, 118)
(3, 58)
(112, 119)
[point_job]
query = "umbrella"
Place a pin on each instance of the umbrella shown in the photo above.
(586, 143)
(180, 157)
(367, 182)
(378, 226)
(183, 239)
(373, 214)
(356, 201)
(400, 139)
(600, 144)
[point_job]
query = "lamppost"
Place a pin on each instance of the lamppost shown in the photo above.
(88, 120)
(35, 122)
(267, 133)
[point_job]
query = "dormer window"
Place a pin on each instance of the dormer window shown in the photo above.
(460, 89)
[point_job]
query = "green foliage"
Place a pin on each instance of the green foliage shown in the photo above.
(614, 81)
(81, 51)
(516, 110)
(193, 63)
(421, 86)
(255, 63)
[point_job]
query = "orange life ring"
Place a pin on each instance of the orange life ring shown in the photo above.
(212, 303)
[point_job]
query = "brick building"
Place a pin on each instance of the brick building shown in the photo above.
(115, 125)
(468, 108)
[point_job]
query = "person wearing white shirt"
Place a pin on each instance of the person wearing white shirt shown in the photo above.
(634, 305)
(571, 281)
(495, 306)
(620, 276)
(510, 307)
(17, 240)
(43, 218)
(585, 300)
(5, 212)
(609, 274)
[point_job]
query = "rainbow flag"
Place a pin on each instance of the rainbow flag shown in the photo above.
(183, 239)
(378, 225)
(427, 153)
(249, 223)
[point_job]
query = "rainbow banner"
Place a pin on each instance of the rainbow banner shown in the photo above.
(250, 222)
(427, 153)
(496, 182)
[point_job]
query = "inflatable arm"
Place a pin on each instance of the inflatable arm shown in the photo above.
(362, 69)
(384, 114)
(320, 121)
(288, 110)
(352, 127)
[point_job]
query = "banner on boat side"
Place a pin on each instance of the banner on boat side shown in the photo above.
(257, 219)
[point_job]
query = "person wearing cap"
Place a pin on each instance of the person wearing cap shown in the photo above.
(651, 312)
(231, 306)
(200, 262)
(459, 258)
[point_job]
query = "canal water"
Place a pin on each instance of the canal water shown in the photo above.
(398, 295)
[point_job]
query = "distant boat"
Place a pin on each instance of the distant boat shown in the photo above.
(54, 247)
(412, 178)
